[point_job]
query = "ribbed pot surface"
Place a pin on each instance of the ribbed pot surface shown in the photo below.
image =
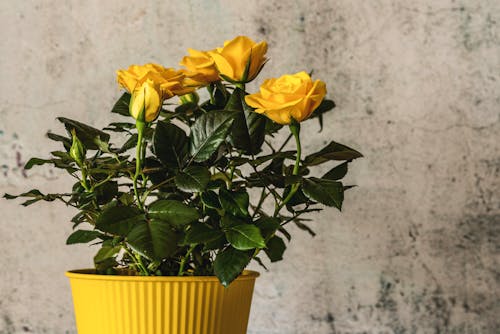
(106, 304)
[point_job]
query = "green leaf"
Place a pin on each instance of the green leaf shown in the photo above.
(130, 143)
(217, 182)
(228, 221)
(268, 225)
(272, 127)
(337, 172)
(325, 106)
(333, 151)
(105, 259)
(87, 134)
(106, 192)
(170, 144)
(37, 162)
(104, 146)
(216, 244)
(245, 237)
(65, 161)
(210, 199)
(69, 167)
(121, 106)
(154, 240)
(327, 192)
(188, 107)
(32, 193)
(238, 161)
(248, 130)
(120, 127)
(220, 94)
(106, 267)
(297, 199)
(274, 174)
(235, 100)
(292, 179)
(278, 155)
(30, 201)
(36, 196)
(119, 220)
(82, 217)
(234, 202)
(64, 156)
(193, 179)
(201, 234)
(176, 213)
(275, 248)
(157, 173)
(65, 141)
(208, 132)
(105, 253)
(229, 263)
(82, 237)
(126, 199)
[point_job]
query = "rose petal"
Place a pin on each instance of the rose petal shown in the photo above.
(223, 65)
(257, 59)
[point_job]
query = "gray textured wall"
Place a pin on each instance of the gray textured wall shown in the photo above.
(417, 83)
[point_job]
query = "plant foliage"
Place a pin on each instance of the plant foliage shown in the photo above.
(193, 200)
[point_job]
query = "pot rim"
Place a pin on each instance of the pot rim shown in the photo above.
(89, 274)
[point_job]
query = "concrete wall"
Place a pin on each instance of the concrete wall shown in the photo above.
(417, 248)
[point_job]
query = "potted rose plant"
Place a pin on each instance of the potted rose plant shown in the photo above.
(178, 208)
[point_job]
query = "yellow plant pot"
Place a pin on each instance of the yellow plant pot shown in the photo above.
(107, 304)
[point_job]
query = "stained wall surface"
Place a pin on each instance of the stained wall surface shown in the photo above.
(417, 84)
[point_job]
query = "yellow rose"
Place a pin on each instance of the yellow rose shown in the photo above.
(241, 59)
(150, 85)
(292, 96)
(145, 103)
(200, 68)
